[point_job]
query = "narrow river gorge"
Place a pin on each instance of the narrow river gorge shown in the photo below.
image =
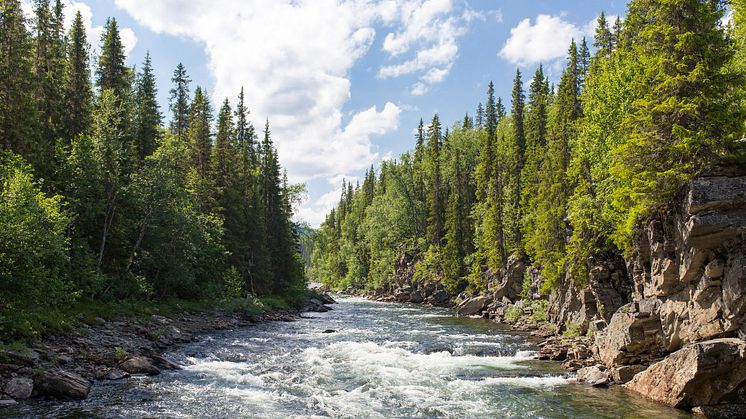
(383, 360)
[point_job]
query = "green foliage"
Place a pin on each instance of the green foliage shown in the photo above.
(513, 313)
(123, 214)
(572, 329)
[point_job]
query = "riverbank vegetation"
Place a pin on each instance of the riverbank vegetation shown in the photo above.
(103, 208)
(562, 173)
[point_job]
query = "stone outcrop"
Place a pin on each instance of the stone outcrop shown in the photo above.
(592, 303)
(703, 373)
(473, 306)
(509, 280)
(687, 318)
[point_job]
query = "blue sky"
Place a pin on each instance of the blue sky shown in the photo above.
(345, 82)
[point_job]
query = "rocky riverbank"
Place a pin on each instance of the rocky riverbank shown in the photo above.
(667, 321)
(68, 365)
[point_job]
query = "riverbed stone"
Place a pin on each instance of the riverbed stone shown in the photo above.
(593, 375)
(62, 384)
(19, 388)
(473, 306)
(7, 403)
(139, 365)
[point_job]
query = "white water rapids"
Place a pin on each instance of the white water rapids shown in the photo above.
(384, 361)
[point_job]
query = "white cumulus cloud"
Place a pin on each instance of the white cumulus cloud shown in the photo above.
(431, 27)
(544, 40)
(71, 7)
(293, 57)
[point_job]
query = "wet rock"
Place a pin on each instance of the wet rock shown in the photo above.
(7, 403)
(416, 297)
(594, 376)
(112, 374)
(624, 373)
(473, 306)
(329, 331)
(165, 363)
(704, 373)
(440, 298)
(19, 388)
(139, 365)
(326, 298)
(62, 384)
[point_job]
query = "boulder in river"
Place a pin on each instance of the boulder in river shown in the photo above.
(62, 384)
(703, 373)
(594, 376)
(473, 306)
(19, 388)
(7, 403)
(139, 365)
(165, 363)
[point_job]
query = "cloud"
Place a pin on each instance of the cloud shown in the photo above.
(293, 57)
(71, 7)
(543, 41)
(432, 26)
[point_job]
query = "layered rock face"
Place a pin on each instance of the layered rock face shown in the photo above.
(592, 303)
(689, 273)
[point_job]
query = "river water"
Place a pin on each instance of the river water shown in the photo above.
(385, 360)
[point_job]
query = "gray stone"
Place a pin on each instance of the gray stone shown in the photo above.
(19, 388)
(139, 365)
(473, 306)
(7, 403)
(593, 375)
(62, 384)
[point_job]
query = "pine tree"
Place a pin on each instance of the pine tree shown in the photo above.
(18, 119)
(584, 62)
(147, 113)
(78, 92)
(179, 102)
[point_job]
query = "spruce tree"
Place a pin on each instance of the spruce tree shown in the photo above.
(179, 102)
(604, 38)
(479, 116)
(519, 138)
(435, 199)
(111, 72)
(199, 134)
(18, 119)
(49, 59)
(684, 119)
(78, 92)
(147, 113)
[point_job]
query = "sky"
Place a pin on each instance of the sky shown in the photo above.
(344, 83)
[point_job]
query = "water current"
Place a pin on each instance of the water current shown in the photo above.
(384, 360)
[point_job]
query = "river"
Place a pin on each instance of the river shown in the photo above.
(384, 360)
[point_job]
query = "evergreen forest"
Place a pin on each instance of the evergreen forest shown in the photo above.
(103, 207)
(558, 174)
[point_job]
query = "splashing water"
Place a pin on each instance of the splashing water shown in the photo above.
(385, 360)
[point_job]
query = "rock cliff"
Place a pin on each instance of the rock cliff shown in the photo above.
(687, 317)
